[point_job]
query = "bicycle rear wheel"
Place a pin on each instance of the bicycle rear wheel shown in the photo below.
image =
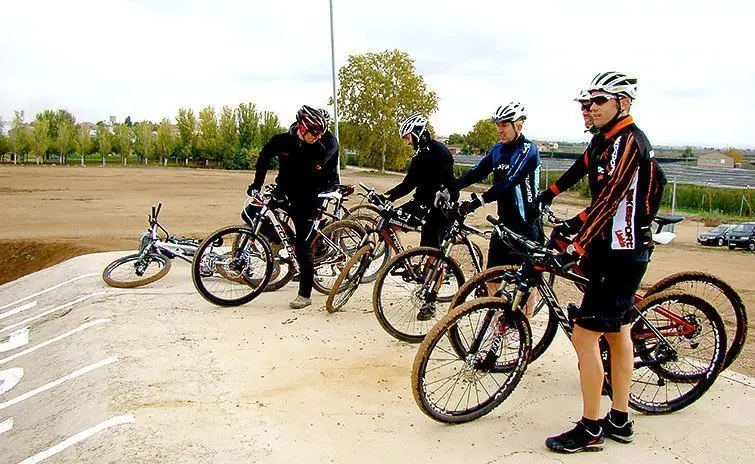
(349, 279)
(453, 388)
(403, 300)
(670, 378)
(721, 296)
(136, 270)
(331, 249)
(232, 266)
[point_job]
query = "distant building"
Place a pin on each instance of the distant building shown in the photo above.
(715, 159)
(455, 149)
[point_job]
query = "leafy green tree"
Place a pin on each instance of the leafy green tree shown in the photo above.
(378, 90)
(144, 140)
(4, 142)
(187, 133)
(736, 155)
(123, 139)
(55, 119)
(208, 134)
(269, 127)
(40, 137)
(18, 135)
(165, 142)
(228, 140)
(456, 139)
(84, 142)
(104, 140)
(483, 135)
(248, 120)
(65, 142)
(688, 153)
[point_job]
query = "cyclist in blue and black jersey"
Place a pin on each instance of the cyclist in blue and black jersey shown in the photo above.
(515, 165)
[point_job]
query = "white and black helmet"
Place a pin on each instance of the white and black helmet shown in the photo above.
(514, 111)
(614, 83)
(311, 120)
(415, 124)
(584, 96)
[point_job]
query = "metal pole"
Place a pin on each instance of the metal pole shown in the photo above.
(335, 92)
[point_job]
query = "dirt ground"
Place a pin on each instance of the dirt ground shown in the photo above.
(52, 213)
(262, 383)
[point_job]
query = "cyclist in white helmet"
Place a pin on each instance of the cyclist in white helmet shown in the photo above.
(430, 171)
(515, 165)
(614, 240)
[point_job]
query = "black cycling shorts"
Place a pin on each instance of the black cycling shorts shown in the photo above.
(609, 297)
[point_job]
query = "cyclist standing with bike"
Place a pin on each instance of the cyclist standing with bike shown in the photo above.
(308, 162)
(515, 165)
(614, 241)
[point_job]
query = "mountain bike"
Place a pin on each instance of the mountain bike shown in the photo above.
(234, 264)
(414, 289)
(715, 291)
(475, 356)
(153, 260)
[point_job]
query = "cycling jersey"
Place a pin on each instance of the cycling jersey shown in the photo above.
(431, 169)
(516, 179)
(304, 169)
(626, 185)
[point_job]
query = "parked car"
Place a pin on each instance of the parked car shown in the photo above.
(742, 236)
(718, 236)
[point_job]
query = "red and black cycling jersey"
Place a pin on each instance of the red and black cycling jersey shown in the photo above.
(626, 185)
(304, 169)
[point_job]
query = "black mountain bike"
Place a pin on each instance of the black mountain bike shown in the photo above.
(475, 356)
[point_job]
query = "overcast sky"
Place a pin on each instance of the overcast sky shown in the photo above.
(147, 58)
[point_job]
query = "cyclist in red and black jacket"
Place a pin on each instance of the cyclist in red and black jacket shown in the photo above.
(308, 165)
(614, 239)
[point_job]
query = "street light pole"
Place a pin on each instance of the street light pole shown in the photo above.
(335, 92)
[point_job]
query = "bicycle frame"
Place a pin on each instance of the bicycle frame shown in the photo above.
(170, 247)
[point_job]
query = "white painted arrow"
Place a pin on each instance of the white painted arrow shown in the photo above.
(9, 378)
(15, 340)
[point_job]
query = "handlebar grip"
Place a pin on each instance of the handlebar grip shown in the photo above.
(491, 220)
(157, 213)
(367, 189)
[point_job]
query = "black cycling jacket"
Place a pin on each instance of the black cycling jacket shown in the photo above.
(431, 169)
(304, 169)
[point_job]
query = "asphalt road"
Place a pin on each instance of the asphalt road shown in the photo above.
(717, 177)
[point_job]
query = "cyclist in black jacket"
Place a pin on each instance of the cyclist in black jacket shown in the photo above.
(308, 165)
(431, 170)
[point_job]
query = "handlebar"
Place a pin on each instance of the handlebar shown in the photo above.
(505, 232)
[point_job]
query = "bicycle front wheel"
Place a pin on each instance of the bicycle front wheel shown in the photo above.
(349, 279)
(455, 388)
(136, 270)
(413, 292)
(232, 266)
(331, 249)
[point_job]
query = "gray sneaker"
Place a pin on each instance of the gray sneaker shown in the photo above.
(300, 302)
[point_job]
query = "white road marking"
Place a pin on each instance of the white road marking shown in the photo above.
(55, 383)
(79, 437)
(9, 378)
(58, 308)
(6, 425)
(18, 310)
(91, 274)
(16, 339)
(742, 379)
(53, 340)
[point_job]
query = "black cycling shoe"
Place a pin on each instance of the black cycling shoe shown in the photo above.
(426, 312)
(576, 440)
(622, 433)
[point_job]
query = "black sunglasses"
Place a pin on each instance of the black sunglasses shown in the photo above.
(586, 106)
(601, 99)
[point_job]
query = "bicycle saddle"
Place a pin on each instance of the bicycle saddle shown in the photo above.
(665, 220)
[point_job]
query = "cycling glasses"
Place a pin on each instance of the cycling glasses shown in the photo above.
(586, 106)
(600, 99)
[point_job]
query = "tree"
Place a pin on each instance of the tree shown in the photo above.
(104, 140)
(144, 140)
(378, 90)
(4, 142)
(55, 120)
(483, 135)
(208, 134)
(123, 139)
(736, 155)
(65, 142)
(456, 139)
(688, 153)
(228, 140)
(269, 127)
(128, 121)
(248, 120)
(84, 142)
(40, 137)
(187, 132)
(165, 142)
(18, 136)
